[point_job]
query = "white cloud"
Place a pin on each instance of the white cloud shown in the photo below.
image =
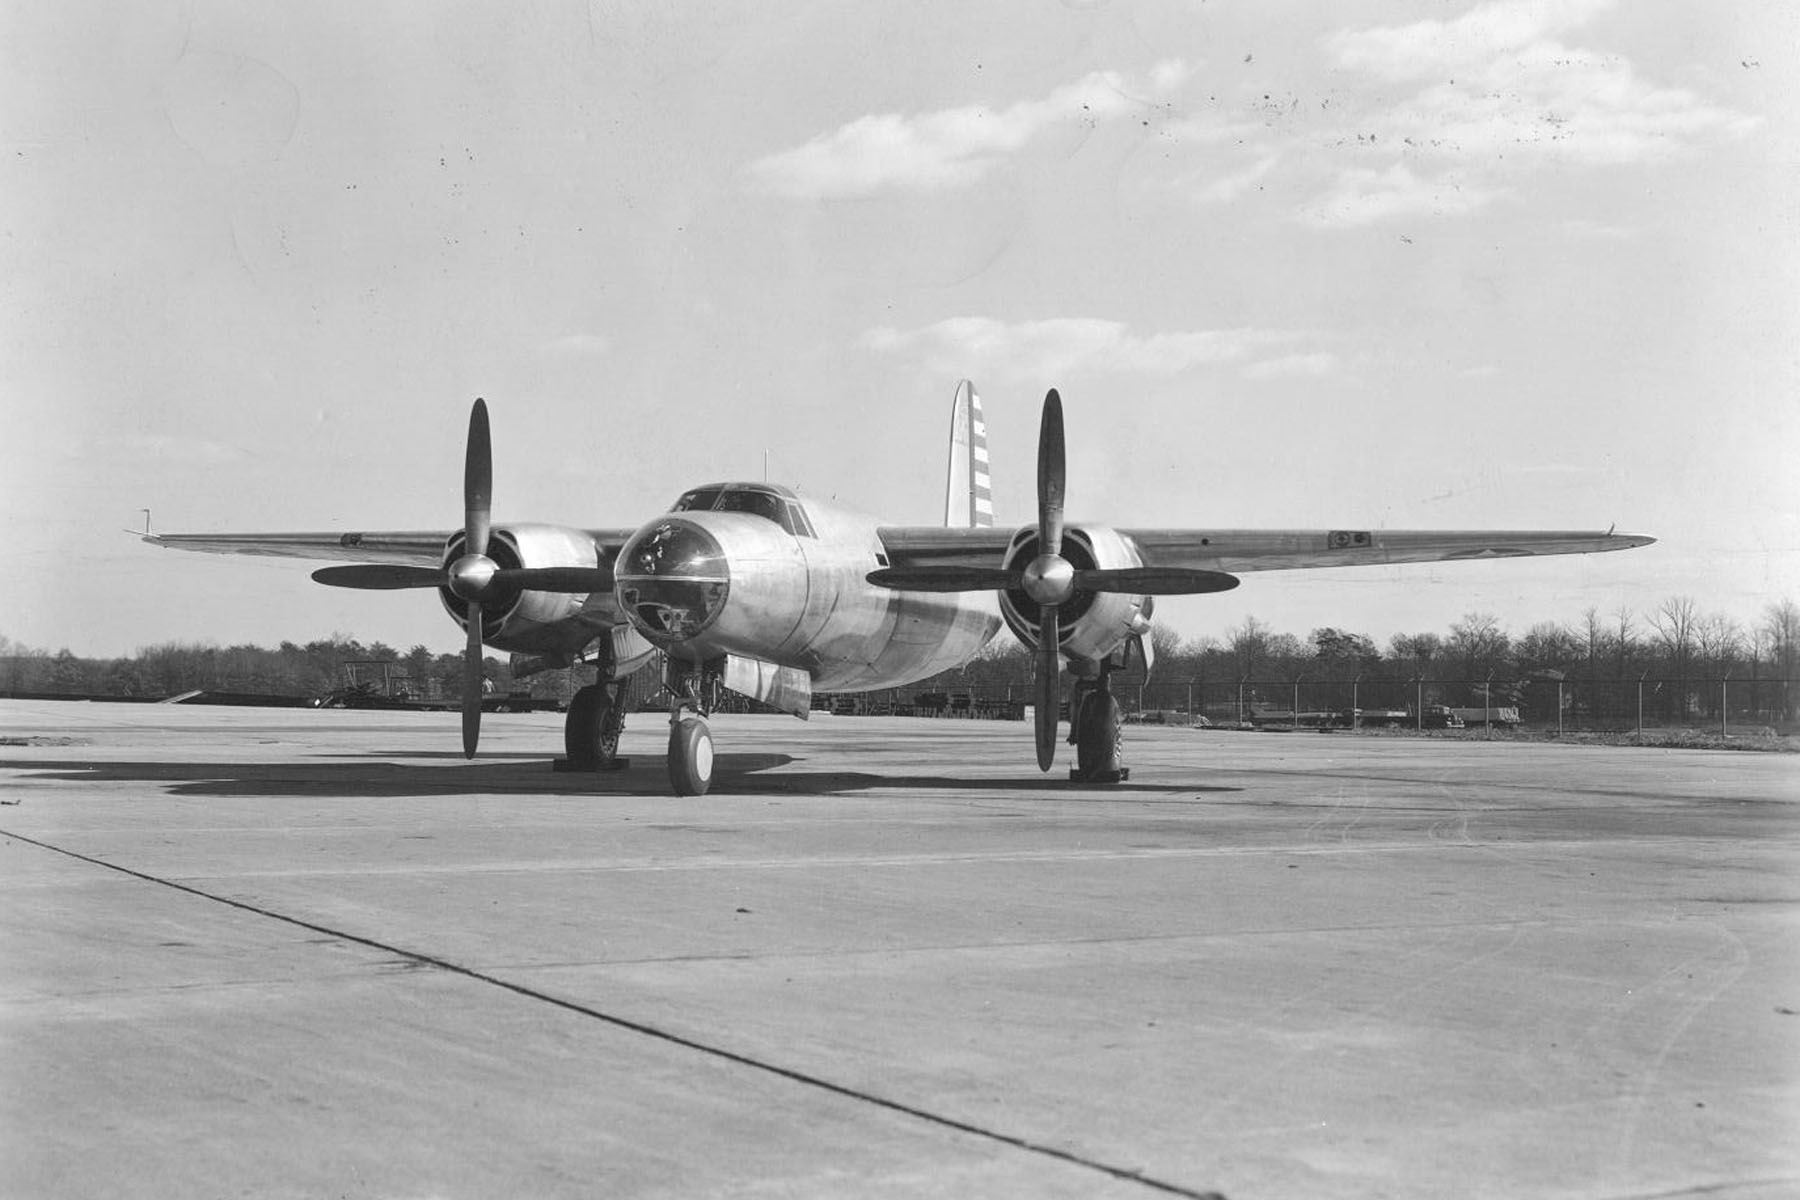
(579, 345)
(1438, 49)
(951, 147)
(1045, 351)
(1455, 115)
(161, 447)
(1361, 196)
(1293, 366)
(1225, 188)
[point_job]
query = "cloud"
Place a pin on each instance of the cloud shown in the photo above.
(951, 147)
(1443, 118)
(579, 345)
(1225, 188)
(1498, 99)
(1361, 196)
(159, 447)
(1293, 366)
(1045, 351)
(1435, 49)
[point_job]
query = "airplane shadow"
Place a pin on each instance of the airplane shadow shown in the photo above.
(376, 774)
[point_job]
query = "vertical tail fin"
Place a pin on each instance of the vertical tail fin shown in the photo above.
(969, 496)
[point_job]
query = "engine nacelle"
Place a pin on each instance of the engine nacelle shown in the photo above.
(1092, 625)
(553, 623)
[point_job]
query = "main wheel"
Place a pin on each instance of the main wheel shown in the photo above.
(591, 729)
(690, 757)
(1097, 739)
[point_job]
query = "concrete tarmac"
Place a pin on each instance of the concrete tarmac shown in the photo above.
(295, 953)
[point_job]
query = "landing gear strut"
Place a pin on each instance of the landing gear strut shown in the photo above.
(1094, 721)
(691, 690)
(591, 730)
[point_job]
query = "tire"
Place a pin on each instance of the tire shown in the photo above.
(590, 733)
(1097, 739)
(690, 757)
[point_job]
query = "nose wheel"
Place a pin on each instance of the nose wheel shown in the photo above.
(690, 738)
(690, 755)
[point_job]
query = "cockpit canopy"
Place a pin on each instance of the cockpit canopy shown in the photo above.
(769, 501)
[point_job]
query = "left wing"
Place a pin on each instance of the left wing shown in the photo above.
(1239, 550)
(415, 548)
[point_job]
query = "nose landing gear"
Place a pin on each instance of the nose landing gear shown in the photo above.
(692, 690)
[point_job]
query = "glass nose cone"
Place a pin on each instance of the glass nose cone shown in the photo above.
(672, 580)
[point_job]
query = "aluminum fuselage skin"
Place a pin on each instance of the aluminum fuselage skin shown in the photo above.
(804, 602)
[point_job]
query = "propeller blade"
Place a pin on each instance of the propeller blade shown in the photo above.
(1155, 581)
(1052, 475)
(944, 579)
(1049, 687)
(575, 580)
(471, 697)
(478, 481)
(379, 577)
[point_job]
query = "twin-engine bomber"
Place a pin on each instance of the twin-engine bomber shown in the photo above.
(748, 588)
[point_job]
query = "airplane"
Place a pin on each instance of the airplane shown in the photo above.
(750, 588)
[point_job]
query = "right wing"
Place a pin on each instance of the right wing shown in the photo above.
(1236, 551)
(1240, 550)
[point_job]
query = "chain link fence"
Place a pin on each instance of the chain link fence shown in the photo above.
(1539, 702)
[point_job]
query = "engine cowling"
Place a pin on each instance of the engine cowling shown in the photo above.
(554, 623)
(1093, 625)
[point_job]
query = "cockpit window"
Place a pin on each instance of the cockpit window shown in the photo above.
(795, 520)
(698, 500)
(766, 501)
(759, 504)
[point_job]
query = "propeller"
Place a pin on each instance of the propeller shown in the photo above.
(474, 578)
(1050, 580)
(473, 573)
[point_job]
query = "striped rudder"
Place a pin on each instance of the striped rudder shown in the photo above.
(969, 496)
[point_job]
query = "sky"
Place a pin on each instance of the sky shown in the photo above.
(1504, 265)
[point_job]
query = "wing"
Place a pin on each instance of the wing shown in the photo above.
(1240, 550)
(416, 548)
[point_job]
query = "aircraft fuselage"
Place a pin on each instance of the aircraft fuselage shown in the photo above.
(787, 585)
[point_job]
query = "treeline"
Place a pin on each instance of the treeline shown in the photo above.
(1676, 644)
(172, 668)
(1682, 651)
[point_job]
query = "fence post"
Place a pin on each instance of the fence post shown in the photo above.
(1419, 703)
(1724, 705)
(1559, 708)
(1240, 719)
(1640, 719)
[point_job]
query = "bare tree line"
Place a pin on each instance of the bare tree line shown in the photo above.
(1681, 652)
(1677, 644)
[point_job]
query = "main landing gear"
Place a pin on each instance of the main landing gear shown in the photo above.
(1094, 724)
(591, 730)
(597, 717)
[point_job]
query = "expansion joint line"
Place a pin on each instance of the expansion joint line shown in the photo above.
(650, 1031)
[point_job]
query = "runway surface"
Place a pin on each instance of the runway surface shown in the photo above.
(302, 953)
